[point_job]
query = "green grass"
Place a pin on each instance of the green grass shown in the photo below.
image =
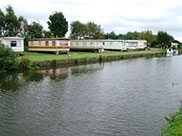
(174, 125)
(65, 57)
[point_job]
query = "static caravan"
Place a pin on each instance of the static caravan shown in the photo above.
(49, 44)
(136, 44)
(114, 45)
(16, 43)
(87, 45)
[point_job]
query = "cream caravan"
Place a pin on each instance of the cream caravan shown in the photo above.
(49, 44)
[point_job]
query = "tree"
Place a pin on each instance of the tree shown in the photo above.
(94, 31)
(2, 22)
(164, 39)
(78, 30)
(120, 36)
(86, 31)
(148, 36)
(132, 36)
(58, 24)
(12, 25)
(111, 35)
(23, 32)
(35, 30)
(47, 34)
(8, 59)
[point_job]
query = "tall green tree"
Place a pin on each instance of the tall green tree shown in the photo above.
(12, 25)
(94, 31)
(2, 22)
(148, 36)
(58, 24)
(23, 32)
(111, 35)
(132, 36)
(35, 30)
(47, 34)
(164, 39)
(78, 30)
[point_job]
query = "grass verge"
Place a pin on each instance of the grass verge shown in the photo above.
(174, 125)
(94, 55)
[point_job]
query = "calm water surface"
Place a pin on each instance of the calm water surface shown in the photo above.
(121, 98)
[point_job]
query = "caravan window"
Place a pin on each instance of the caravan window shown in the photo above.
(53, 43)
(31, 43)
(63, 43)
(39, 43)
(13, 44)
(84, 43)
(47, 43)
(91, 44)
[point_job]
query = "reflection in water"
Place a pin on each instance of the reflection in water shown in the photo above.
(128, 97)
(56, 73)
(85, 69)
(14, 80)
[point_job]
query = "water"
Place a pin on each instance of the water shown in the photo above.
(121, 98)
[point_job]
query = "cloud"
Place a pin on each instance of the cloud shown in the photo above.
(67, 2)
(120, 16)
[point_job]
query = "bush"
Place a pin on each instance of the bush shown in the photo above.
(8, 59)
(174, 125)
(25, 63)
(174, 47)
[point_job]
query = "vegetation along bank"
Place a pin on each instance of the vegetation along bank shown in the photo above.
(48, 61)
(174, 125)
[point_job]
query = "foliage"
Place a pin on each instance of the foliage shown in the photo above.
(164, 39)
(35, 30)
(2, 22)
(111, 35)
(58, 24)
(11, 25)
(47, 34)
(78, 30)
(94, 31)
(86, 31)
(132, 36)
(174, 125)
(148, 36)
(23, 32)
(25, 63)
(8, 59)
(174, 47)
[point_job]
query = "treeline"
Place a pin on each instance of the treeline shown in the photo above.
(93, 31)
(12, 25)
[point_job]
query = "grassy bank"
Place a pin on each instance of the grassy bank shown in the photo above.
(174, 125)
(87, 55)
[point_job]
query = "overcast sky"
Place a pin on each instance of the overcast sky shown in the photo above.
(119, 16)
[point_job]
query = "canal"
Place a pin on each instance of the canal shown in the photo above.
(121, 98)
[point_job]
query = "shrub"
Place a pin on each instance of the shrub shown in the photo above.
(8, 59)
(174, 47)
(174, 125)
(25, 63)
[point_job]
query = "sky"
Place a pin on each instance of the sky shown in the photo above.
(120, 16)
